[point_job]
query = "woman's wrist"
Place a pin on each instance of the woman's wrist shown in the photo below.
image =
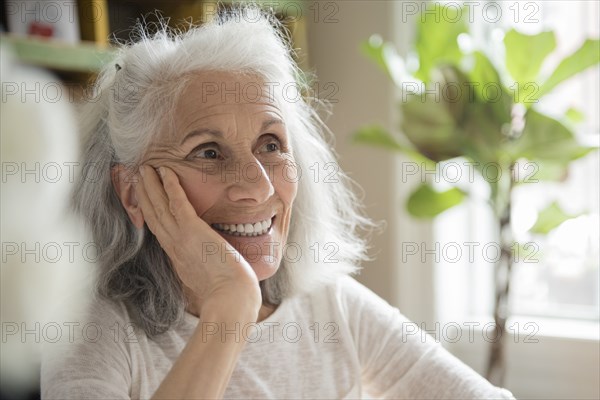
(230, 309)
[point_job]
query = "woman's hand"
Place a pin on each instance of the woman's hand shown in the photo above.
(223, 279)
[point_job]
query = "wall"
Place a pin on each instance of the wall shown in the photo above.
(366, 96)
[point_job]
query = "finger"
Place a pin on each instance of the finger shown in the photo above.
(156, 203)
(183, 211)
(149, 215)
(179, 205)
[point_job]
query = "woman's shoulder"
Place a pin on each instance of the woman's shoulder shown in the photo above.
(92, 351)
(91, 318)
(348, 297)
(350, 291)
(109, 307)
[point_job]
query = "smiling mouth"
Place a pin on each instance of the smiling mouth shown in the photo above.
(247, 229)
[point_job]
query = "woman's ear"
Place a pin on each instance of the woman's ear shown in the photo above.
(124, 181)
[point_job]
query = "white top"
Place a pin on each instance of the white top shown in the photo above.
(341, 341)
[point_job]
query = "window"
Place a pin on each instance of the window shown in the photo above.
(554, 330)
(560, 278)
(564, 283)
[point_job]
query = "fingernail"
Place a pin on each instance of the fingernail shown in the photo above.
(161, 171)
(141, 169)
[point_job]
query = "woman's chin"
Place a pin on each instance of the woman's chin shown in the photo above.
(263, 252)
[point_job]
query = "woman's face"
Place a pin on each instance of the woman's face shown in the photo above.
(231, 151)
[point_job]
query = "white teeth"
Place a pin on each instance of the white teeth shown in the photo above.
(248, 229)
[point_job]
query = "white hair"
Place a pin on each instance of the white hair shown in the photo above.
(137, 91)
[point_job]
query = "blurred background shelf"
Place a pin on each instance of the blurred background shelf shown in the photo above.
(75, 43)
(83, 57)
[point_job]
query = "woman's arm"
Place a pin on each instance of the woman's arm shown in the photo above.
(224, 290)
(398, 360)
(206, 363)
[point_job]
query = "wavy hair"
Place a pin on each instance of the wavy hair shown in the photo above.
(124, 116)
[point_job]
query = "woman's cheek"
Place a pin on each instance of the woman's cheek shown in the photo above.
(286, 181)
(202, 190)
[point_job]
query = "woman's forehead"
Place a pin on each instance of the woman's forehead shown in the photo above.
(251, 115)
(213, 94)
(213, 88)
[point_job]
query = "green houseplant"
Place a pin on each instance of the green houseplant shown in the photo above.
(459, 104)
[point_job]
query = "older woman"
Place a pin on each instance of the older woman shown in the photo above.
(223, 266)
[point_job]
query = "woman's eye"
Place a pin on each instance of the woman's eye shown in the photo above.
(207, 153)
(210, 153)
(271, 147)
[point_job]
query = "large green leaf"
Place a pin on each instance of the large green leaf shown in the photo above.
(434, 121)
(546, 139)
(375, 135)
(483, 132)
(430, 127)
(487, 118)
(584, 57)
(437, 32)
(450, 85)
(526, 53)
(534, 171)
(550, 218)
(486, 85)
(483, 74)
(426, 202)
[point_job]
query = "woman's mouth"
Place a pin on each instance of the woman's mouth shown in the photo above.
(245, 229)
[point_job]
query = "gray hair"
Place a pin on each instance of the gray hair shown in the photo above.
(125, 115)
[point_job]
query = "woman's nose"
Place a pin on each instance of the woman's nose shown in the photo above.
(250, 182)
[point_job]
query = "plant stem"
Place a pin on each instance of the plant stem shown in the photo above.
(496, 368)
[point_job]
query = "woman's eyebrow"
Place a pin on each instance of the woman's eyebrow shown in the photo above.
(200, 132)
(266, 124)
